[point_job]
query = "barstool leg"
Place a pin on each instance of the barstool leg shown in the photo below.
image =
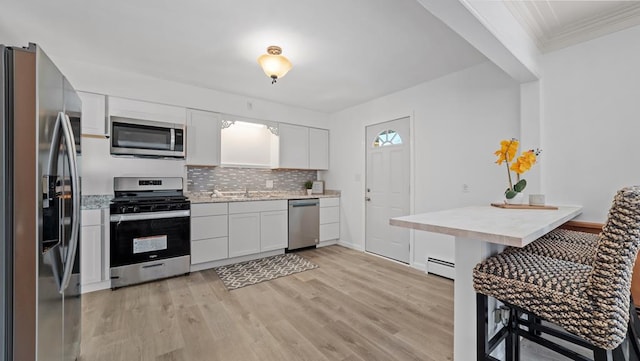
(512, 342)
(482, 326)
(600, 354)
(618, 354)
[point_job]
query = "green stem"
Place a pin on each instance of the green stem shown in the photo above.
(509, 175)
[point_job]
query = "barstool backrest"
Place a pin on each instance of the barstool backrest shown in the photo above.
(610, 280)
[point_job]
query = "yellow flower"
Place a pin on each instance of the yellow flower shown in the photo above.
(507, 151)
(524, 162)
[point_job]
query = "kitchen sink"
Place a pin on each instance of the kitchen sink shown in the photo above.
(241, 195)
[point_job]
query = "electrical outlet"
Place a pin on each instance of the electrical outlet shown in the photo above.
(466, 188)
(269, 184)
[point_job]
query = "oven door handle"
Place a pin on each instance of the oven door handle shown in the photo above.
(148, 215)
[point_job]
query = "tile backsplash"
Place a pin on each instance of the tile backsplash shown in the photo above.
(206, 179)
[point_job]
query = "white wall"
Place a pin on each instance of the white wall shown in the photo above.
(591, 122)
(458, 122)
(103, 80)
(99, 167)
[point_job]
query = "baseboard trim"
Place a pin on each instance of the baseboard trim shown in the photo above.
(419, 266)
(93, 287)
(227, 261)
(326, 243)
(357, 247)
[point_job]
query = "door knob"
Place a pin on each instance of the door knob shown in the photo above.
(368, 199)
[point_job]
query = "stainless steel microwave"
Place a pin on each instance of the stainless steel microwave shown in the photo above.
(146, 138)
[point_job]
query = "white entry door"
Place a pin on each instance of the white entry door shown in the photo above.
(387, 188)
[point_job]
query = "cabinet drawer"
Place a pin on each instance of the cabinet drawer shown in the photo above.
(329, 215)
(207, 250)
(91, 217)
(257, 206)
(329, 231)
(208, 209)
(329, 202)
(209, 227)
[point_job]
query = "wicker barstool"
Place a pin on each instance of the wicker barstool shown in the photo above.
(590, 300)
(564, 244)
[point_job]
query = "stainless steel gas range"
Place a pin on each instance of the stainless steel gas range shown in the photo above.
(150, 230)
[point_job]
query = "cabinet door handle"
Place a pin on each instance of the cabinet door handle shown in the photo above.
(368, 199)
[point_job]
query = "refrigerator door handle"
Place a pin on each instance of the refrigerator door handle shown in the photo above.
(75, 194)
(52, 163)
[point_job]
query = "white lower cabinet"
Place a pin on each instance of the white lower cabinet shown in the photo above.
(244, 234)
(329, 220)
(209, 232)
(256, 227)
(274, 230)
(91, 254)
(94, 250)
(211, 249)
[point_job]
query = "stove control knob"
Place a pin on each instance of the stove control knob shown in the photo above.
(122, 209)
(136, 209)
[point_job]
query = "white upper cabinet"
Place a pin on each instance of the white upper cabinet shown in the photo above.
(302, 148)
(294, 146)
(203, 138)
(318, 149)
(137, 109)
(94, 121)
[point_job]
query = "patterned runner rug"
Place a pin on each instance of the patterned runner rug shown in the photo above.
(249, 273)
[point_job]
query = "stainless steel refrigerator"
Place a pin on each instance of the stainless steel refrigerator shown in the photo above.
(39, 209)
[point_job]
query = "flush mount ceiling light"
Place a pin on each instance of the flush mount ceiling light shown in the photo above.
(274, 64)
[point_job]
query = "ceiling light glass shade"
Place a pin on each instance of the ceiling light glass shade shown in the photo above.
(274, 64)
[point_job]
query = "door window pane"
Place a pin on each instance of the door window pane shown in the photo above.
(387, 138)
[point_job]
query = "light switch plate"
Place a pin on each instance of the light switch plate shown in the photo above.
(269, 184)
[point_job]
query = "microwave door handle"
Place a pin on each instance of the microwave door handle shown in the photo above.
(173, 138)
(75, 197)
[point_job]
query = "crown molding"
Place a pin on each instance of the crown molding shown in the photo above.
(546, 40)
(594, 27)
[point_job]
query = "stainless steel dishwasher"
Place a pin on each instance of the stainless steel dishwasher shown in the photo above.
(304, 223)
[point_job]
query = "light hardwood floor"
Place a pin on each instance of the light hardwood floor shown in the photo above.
(353, 307)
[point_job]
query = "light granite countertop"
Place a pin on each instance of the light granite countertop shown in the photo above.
(102, 201)
(209, 197)
(96, 201)
(511, 227)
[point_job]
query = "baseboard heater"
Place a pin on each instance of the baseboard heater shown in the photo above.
(441, 268)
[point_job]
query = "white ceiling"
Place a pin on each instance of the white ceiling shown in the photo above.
(555, 24)
(343, 52)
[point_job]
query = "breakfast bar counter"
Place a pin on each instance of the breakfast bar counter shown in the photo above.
(479, 233)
